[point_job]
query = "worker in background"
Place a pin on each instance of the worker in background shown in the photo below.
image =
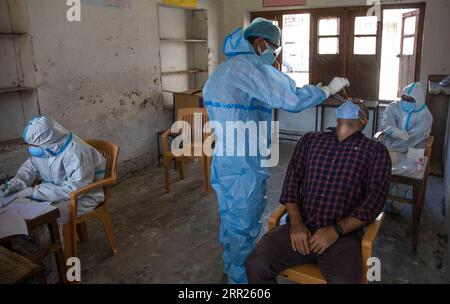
(330, 196)
(407, 123)
(245, 88)
(63, 163)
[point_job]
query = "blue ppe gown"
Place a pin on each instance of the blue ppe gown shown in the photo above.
(67, 164)
(245, 89)
(416, 119)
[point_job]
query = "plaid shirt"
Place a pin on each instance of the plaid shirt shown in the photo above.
(331, 180)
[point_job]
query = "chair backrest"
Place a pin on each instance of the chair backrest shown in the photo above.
(196, 118)
(109, 151)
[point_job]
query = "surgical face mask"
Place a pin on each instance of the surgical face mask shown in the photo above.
(348, 110)
(407, 106)
(37, 152)
(269, 56)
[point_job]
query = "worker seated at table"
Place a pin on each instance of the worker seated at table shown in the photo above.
(336, 184)
(63, 162)
(407, 123)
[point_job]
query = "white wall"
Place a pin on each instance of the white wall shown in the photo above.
(101, 77)
(436, 46)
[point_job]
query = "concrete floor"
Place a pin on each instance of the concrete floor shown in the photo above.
(173, 238)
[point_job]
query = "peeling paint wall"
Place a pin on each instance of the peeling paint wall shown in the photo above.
(100, 77)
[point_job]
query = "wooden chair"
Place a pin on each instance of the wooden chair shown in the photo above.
(310, 273)
(196, 118)
(77, 224)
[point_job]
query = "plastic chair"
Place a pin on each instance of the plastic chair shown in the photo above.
(310, 273)
(77, 224)
(196, 118)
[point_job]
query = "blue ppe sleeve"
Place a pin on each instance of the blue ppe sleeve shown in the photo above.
(277, 90)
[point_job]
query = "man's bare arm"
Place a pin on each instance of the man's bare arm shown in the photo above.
(299, 233)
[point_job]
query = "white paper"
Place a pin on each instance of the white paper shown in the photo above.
(5, 200)
(416, 154)
(11, 223)
(27, 208)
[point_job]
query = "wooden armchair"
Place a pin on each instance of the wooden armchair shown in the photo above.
(196, 118)
(78, 223)
(310, 273)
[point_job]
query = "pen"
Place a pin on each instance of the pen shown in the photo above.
(345, 92)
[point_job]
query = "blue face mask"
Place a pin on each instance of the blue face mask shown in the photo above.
(269, 56)
(37, 152)
(348, 110)
(407, 106)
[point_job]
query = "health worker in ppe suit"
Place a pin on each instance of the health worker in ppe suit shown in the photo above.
(245, 88)
(407, 123)
(63, 162)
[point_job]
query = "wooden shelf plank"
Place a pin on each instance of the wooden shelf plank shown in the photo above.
(184, 40)
(15, 89)
(12, 36)
(184, 72)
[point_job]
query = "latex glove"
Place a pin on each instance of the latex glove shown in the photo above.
(14, 185)
(399, 134)
(336, 85)
(404, 136)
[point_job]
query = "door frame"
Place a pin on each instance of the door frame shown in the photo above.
(339, 9)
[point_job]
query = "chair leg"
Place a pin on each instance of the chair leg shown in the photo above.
(206, 173)
(108, 228)
(69, 242)
(82, 232)
(181, 168)
(167, 173)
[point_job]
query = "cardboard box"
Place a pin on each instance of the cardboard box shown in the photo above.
(188, 99)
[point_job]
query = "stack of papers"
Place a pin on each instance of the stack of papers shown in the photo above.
(12, 223)
(15, 211)
(5, 200)
(26, 208)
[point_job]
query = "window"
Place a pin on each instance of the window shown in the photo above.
(408, 46)
(328, 34)
(409, 33)
(410, 26)
(296, 35)
(344, 41)
(365, 39)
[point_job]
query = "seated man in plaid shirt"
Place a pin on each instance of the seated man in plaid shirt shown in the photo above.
(336, 184)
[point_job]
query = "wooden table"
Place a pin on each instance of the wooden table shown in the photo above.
(49, 217)
(419, 185)
(16, 269)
